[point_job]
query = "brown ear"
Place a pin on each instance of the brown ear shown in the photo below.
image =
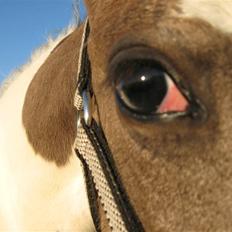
(48, 113)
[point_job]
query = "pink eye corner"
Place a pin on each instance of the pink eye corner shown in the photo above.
(174, 101)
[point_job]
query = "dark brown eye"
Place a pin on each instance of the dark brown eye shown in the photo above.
(145, 89)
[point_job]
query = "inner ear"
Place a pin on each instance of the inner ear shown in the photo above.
(49, 116)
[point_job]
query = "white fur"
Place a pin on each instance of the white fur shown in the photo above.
(35, 195)
(217, 12)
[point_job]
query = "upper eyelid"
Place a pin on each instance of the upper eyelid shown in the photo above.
(145, 53)
(114, 75)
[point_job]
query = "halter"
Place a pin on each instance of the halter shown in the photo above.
(102, 179)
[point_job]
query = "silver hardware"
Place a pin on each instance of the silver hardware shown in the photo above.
(87, 109)
(79, 117)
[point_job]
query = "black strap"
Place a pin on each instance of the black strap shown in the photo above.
(96, 136)
(98, 140)
(91, 192)
(84, 80)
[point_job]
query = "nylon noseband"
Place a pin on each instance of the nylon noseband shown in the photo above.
(102, 178)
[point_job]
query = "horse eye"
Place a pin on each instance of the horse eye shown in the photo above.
(145, 89)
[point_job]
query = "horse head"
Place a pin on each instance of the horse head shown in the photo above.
(176, 168)
(161, 77)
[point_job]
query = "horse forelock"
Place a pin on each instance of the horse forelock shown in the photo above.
(216, 12)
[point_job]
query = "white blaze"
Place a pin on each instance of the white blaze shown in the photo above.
(217, 12)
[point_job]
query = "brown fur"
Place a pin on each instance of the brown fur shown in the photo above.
(178, 174)
(48, 114)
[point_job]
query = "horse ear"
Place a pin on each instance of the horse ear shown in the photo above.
(48, 113)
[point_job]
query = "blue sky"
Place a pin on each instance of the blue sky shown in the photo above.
(26, 24)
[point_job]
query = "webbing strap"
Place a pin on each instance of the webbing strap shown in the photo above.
(87, 151)
(92, 149)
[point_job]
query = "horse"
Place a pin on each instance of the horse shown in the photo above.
(161, 79)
